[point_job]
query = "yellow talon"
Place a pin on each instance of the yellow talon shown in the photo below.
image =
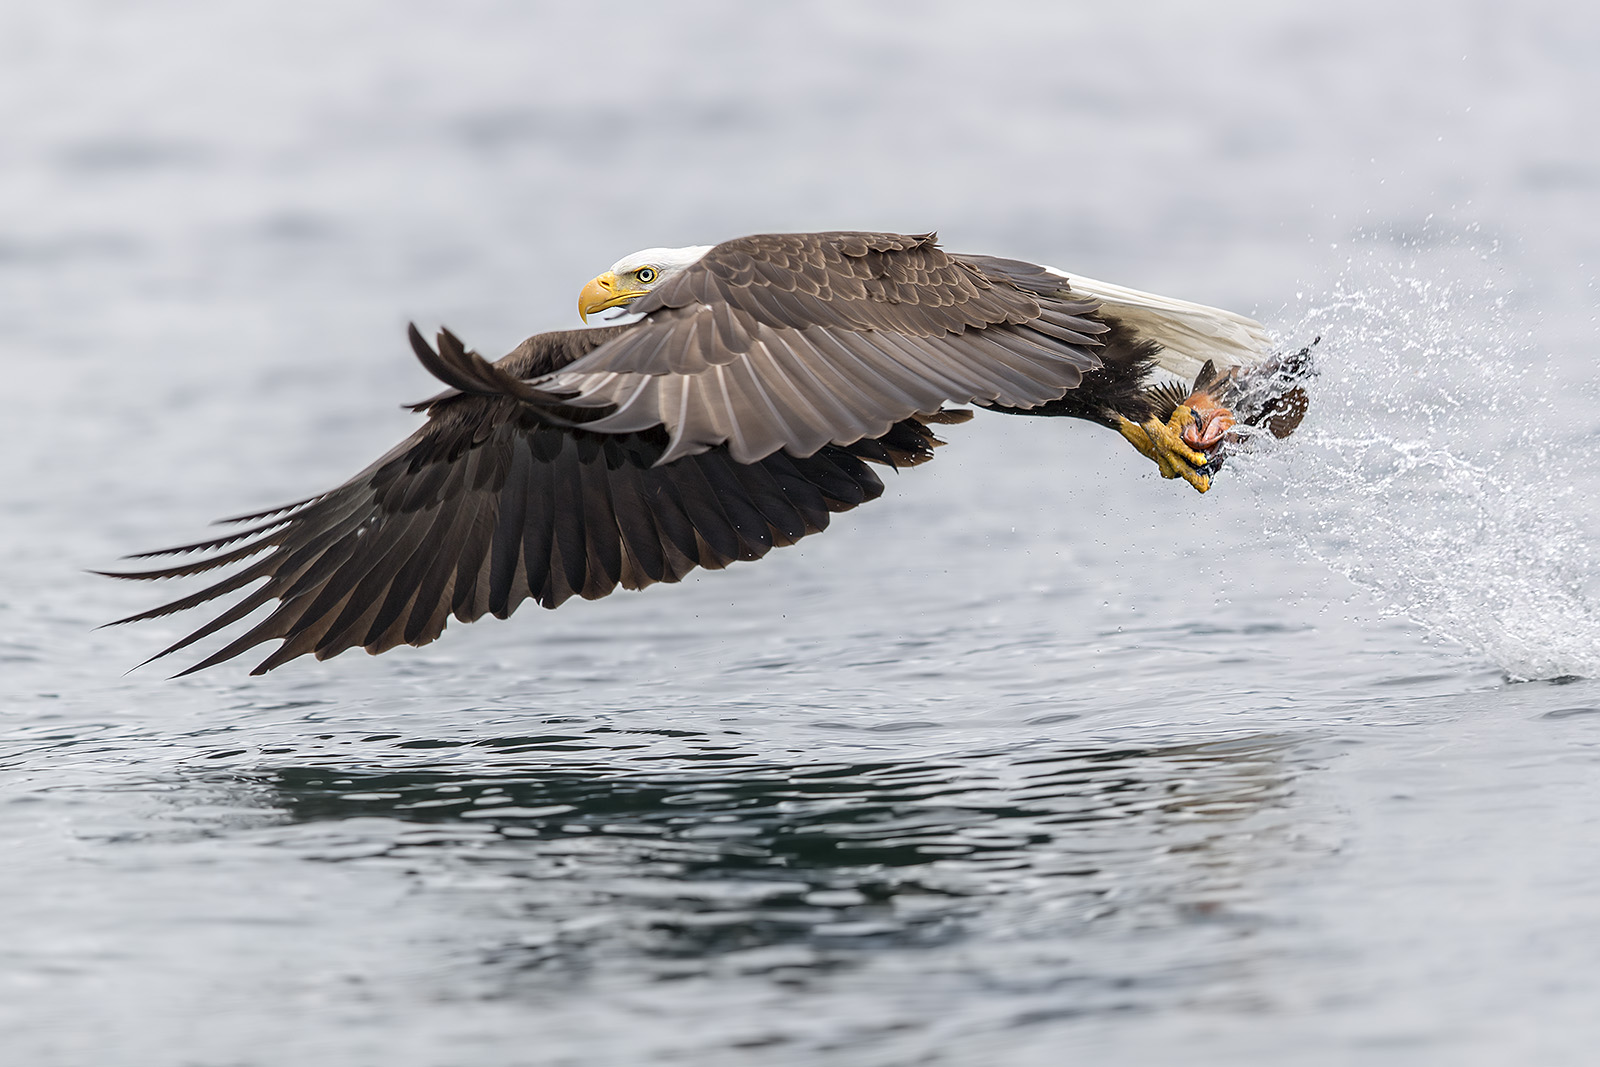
(1163, 442)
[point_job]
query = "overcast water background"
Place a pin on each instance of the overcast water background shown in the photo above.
(1039, 759)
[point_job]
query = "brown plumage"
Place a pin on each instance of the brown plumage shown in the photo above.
(789, 341)
(738, 414)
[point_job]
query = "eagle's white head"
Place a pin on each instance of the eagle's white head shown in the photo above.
(633, 276)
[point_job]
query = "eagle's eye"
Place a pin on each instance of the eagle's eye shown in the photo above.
(646, 274)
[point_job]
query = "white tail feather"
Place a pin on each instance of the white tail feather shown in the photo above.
(1189, 333)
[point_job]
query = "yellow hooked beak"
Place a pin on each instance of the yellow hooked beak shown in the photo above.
(606, 291)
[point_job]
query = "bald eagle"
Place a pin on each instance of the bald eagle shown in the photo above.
(745, 401)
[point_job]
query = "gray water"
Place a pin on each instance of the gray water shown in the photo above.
(1039, 759)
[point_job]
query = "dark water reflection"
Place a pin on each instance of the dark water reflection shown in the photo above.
(725, 860)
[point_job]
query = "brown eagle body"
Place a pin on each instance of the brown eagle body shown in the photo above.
(746, 406)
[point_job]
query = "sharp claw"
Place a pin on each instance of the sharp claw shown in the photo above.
(1164, 442)
(1201, 425)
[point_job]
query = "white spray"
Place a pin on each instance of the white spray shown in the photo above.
(1436, 471)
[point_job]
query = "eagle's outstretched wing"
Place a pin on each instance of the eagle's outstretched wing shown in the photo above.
(793, 341)
(489, 505)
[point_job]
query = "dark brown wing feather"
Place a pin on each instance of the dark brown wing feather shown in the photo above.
(488, 505)
(793, 341)
(466, 372)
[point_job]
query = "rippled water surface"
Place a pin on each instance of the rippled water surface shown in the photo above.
(1039, 759)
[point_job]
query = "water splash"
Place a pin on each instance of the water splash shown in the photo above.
(1435, 467)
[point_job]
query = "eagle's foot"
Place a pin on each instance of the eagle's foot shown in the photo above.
(1189, 444)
